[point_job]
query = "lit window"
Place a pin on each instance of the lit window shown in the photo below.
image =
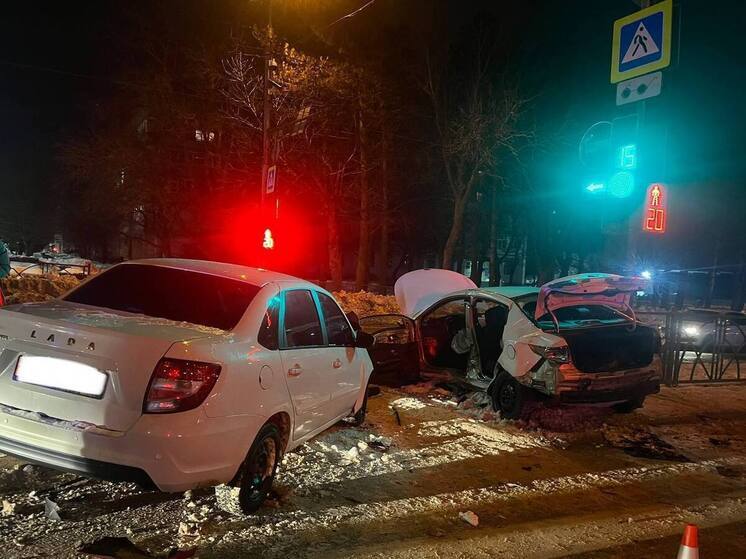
(199, 136)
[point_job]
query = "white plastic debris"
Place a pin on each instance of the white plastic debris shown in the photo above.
(188, 529)
(469, 517)
(381, 444)
(51, 509)
(350, 456)
(8, 508)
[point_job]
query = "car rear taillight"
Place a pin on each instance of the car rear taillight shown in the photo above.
(554, 354)
(179, 385)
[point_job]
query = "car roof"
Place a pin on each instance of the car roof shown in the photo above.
(512, 291)
(508, 292)
(254, 276)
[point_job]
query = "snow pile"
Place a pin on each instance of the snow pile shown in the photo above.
(34, 288)
(407, 404)
(367, 304)
(352, 454)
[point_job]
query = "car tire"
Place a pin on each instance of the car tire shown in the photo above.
(256, 475)
(358, 418)
(630, 405)
(509, 396)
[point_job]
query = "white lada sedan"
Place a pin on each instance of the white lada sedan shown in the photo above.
(178, 374)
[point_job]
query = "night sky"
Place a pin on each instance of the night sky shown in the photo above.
(57, 58)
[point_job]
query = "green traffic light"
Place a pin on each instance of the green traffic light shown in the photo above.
(622, 184)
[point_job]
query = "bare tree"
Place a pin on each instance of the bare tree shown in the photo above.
(478, 125)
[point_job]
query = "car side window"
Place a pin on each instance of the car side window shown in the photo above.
(302, 326)
(269, 330)
(338, 329)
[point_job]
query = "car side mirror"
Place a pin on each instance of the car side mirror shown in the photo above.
(354, 320)
(364, 340)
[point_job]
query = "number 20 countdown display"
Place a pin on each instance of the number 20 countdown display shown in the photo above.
(655, 215)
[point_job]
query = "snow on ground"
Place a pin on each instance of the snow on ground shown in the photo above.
(402, 484)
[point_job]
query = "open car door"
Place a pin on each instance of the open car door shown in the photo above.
(395, 355)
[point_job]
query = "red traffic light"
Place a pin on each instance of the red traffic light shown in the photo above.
(268, 242)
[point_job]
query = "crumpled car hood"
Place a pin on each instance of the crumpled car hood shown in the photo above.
(417, 290)
(603, 289)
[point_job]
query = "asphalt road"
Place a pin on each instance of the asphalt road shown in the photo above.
(567, 483)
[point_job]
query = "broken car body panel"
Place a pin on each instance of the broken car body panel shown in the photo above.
(590, 360)
(520, 333)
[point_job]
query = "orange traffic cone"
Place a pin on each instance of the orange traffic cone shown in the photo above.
(689, 548)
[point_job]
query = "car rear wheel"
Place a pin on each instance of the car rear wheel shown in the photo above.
(509, 396)
(254, 480)
(630, 405)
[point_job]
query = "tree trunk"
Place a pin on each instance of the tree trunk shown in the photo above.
(383, 249)
(335, 254)
(363, 252)
(457, 225)
(476, 269)
(494, 272)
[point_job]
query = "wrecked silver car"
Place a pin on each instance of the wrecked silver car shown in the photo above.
(575, 340)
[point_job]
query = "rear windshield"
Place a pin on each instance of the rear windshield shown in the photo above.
(579, 316)
(177, 295)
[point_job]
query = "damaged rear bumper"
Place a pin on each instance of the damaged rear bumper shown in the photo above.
(588, 395)
(565, 383)
(576, 387)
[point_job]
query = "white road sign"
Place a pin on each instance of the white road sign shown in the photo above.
(639, 88)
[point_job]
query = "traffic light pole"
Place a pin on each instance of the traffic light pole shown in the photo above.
(633, 225)
(266, 109)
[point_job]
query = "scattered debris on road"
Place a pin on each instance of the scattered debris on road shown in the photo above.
(642, 444)
(51, 509)
(469, 517)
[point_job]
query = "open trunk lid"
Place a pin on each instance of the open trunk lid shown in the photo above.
(582, 289)
(123, 346)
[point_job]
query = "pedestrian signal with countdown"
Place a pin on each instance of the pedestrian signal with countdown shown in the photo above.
(655, 214)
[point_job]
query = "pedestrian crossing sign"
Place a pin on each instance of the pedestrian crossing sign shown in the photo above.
(642, 42)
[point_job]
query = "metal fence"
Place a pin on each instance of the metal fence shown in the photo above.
(701, 346)
(34, 266)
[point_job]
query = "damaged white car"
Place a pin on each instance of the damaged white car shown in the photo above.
(178, 374)
(575, 340)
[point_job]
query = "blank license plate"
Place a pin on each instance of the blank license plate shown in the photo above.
(60, 374)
